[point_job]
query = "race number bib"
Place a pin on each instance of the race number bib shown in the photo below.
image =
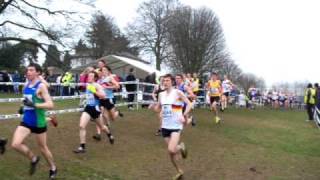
(90, 99)
(167, 110)
(29, 97)
(214, 90)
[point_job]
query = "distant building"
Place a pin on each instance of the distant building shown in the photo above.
(81, 58)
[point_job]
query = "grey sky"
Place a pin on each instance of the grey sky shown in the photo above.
(275, 39)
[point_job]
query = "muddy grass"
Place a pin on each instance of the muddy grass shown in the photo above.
(261, 144)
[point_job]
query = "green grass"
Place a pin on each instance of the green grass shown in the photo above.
(249, 144)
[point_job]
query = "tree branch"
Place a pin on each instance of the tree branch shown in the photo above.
(30, 28)
(5, 5)
(62, 12)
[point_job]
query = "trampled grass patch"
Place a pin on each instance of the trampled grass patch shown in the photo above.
(248, 144)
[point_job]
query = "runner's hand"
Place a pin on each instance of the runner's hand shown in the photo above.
(29, 103)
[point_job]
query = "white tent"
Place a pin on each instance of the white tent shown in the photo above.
(120, 65)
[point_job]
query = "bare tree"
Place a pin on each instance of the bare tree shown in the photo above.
(230, 69)
(22, 20)
(196, 39)
(148, 31)
(248, 80)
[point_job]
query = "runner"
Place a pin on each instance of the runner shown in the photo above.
(226, 89)
(215, 90)
(155, 95)
(52, 118)
(187, 90)
(170, 103)
(37, 99)
(107, 106)
(94, 92)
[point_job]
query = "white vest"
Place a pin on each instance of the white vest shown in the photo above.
(171, 109)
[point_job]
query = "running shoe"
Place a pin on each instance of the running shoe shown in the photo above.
(79, 150)
(178, 176)
(53, 174)
(3, 143)
(184, 151)
(97, 137)
(111, 139)
(53, 120)
(33, 165)
(193, 121)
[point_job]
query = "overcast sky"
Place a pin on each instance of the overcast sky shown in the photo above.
(278, 40)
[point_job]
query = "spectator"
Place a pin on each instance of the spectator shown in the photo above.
(16, 79)
(310, 100)
(151, 78)
(51, 78)
(59, 89)
(4, 77)
(66, 80)
(317, 88)
(131, 88)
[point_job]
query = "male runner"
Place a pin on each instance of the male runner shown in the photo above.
(215, 90)
(170, 103)
(37, 99)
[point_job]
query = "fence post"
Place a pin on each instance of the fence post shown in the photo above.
(137, 93)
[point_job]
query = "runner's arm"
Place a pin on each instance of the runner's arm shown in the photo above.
(155, 89)
(48, 103)
(115, 84)
(43, 81)
(185, 100)
(100, 93)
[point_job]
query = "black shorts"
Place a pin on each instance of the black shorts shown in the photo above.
(35, 130)
(226, 94)
(214, 99)
(167, 132)
(107, 103)
(92, 111)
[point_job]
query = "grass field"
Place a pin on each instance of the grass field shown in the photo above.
(259, 144)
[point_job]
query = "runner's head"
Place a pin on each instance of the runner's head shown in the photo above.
(189, 75)
(101, 63)
(106, 71)
(179, 79)
(167, 81)
(225, 77)
(33, 71)
(195, 75)
(93, 77)
(214, 76)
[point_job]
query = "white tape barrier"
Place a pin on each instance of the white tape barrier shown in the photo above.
(316, 116)
(63, 111)
(3, 100)
(79, 84)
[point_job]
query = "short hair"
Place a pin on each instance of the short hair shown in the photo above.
(108, 68)
(214, 73)
(96, 75)
(180, 75)
(36, 66)
(309, 85)
(101, 60)
(168, 76)
(131, 70)
(316, 85)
